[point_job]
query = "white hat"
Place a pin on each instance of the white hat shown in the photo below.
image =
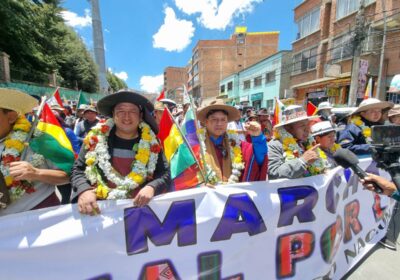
(321, 128)
(373, 103)
(17, 101)
(293, 114)
(324, 106)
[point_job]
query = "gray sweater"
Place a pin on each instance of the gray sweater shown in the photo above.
(278, 168)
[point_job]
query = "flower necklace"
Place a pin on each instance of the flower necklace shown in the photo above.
(322, 154)
(235, 154)
(14, 144)
(366, 131)
(292, 150)
(98, 158)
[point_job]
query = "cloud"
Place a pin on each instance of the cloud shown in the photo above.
(214, 16)
(72, 19)
(152, 84)
(174, 34)
(122, 75)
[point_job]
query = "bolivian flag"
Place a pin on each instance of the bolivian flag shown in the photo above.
(52, 142)
(183, 165)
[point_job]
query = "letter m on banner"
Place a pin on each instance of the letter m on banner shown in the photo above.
(142, 223)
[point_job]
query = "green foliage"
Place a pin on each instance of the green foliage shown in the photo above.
(35, 36)
(115, 82)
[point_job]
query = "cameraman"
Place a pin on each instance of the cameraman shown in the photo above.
(389, 189)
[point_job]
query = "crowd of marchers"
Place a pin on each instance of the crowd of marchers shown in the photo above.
(118, 154)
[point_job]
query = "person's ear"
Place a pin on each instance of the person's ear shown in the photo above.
(12, 117)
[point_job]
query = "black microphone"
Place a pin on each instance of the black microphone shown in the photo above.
(347, 159)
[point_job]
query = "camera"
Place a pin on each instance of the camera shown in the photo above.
(386, 149)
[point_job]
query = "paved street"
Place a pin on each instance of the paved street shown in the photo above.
(381, 263)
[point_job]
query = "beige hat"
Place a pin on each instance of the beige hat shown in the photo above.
(159, 106)
(373, 103)
(218, 104)
(394, 111)
(17, 101)
(293, 114)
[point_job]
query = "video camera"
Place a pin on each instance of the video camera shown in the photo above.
(386, 150)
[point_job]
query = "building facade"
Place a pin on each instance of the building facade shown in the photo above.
(327, 37)
(259, 84)
(174, 79)
(212, 60)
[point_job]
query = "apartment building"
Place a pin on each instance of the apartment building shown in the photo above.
(174, 79)
(259, 84)
(212, 60)
(323, 50)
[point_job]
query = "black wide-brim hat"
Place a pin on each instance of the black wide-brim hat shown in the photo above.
(106, 105)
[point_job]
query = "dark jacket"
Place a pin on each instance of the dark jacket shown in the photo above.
(160, 183)
(352, 138)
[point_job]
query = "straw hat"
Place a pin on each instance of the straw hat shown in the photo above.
(263, 112)
(373, 103)
(293, 114)
(17, 101)
(394, 111)
(158, 106)
(321, 128)
(90, 108)
(218, 104)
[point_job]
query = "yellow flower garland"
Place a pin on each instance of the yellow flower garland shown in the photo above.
(366, 131)
(292, 150)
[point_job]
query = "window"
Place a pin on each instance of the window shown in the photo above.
(195, 79)
(195, 56)
(257, 81)
(373, 41)
(342, 47)
(346, 7)
(222, 89)
(195, 69)
(270, 104)
(270, 77)
(246, 84)
(230, 86)
(240, 39)
(308, 23)
(304, 61)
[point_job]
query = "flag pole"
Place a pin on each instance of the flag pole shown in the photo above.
(77, 103)
(35, 123)
(202, 152)
(188, 145)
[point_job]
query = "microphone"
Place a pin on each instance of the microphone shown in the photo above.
(347, 159)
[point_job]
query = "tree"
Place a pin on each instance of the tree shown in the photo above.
(38, 41)
(115, 82)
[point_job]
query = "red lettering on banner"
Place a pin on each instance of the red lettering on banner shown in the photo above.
(292, 248)
(351, 221)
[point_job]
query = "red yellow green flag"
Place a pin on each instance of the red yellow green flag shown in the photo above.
(52, 142)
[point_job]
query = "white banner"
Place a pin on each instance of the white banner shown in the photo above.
(308, 228)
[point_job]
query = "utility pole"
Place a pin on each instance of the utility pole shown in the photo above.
(381, 90)
(359, 35)
(98, 44)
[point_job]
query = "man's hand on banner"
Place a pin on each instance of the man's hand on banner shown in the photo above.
(253, 128)
(310, 155)
(144, 196)
(87, 203)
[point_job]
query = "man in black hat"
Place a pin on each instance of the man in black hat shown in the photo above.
(121, 158)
